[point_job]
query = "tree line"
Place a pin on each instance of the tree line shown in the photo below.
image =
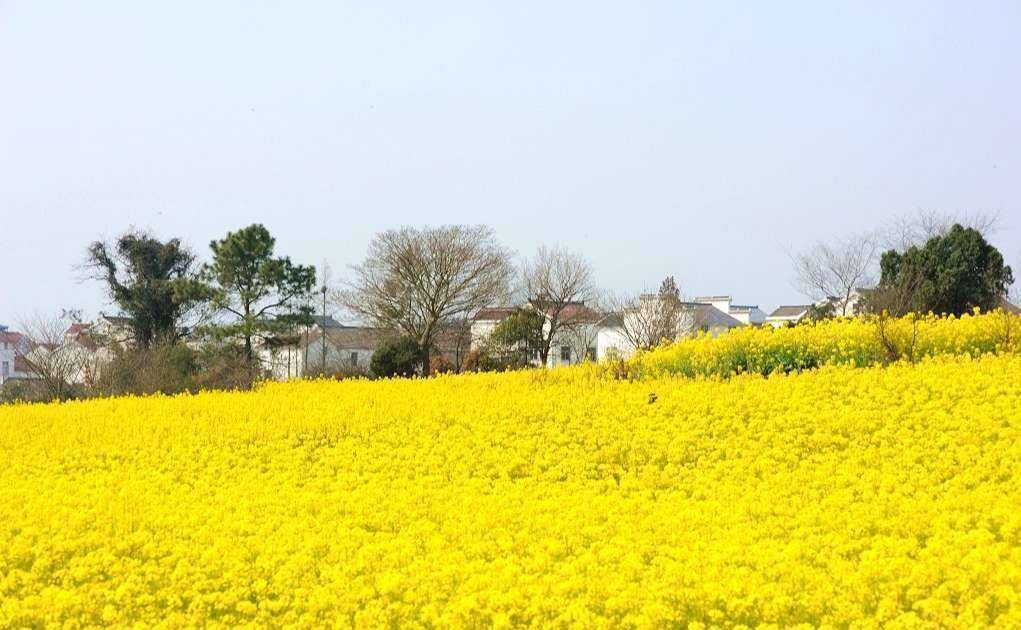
(195, 325)
(199, 325)
(920, 263)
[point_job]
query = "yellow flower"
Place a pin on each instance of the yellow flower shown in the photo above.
(830, 497)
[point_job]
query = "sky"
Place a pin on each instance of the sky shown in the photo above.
(701, 140)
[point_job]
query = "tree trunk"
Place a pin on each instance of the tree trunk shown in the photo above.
(248, 333)
(425, 343)
(545, 343)
(425, 360)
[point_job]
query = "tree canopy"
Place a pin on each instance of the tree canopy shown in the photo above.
(517, 338)
(398, 356)
(151, 281)
(556, 281)
(260, 292)
(418, 280)
(951, 273)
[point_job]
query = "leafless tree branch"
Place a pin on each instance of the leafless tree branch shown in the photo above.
(835, 270)
(555, 281)
(915, 229)
(413, 280)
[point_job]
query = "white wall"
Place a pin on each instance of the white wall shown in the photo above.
(8, 353)
(336, 359)
(611, 339)
(722, 303)
(780, 322)
(6, 362)
(481, 330)
(754, 316)
(283, 363)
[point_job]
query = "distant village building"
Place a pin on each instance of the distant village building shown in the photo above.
(578, 337)
(748, 315)
(336, 349)
(787, 315)
(13, 345)
(486, 321)
(329, 347)
(703, 317)
(582, 330)
(590, 334)
(842, 305)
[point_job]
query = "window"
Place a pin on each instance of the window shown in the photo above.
(354, 358)
(565, 353)
(6, 370)
(591, 353)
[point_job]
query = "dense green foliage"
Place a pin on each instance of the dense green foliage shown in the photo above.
(175, 368)
(398, 356)
(517, 338)
(261, 293)
(151, 281)
(952, 273)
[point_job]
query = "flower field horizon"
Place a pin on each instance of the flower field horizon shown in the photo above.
(855, 341)
(832, 497)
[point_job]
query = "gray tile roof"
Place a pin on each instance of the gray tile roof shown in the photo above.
(789, 310)
(326, 322)
(496, 313)
(350, 337)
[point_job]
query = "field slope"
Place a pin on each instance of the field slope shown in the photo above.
(564, 497)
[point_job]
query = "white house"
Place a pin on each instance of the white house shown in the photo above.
(611, 340)
(588, 333)
(844, 306)
(112, 329)
(694, 317)
(13, 345)
(486, 321)
(581, 331)
(787, 314)
(335, 348)
(700, 317)
(748, 315)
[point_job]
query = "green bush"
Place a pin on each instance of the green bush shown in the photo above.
(398, 356)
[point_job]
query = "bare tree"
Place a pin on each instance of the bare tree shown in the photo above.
(648, 318)
(1014, 291)
(455, 342)
(557, 283)
(60, 365)
(834, 271)
(414, 280)
(915, 229)
(887, 304)
(581, 325)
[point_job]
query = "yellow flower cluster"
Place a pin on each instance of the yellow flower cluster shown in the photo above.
(545, 497)
(855, 341)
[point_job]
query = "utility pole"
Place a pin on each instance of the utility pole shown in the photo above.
(322, 367)
(308, 335)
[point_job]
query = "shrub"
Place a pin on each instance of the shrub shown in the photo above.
(397, 356)
(164, 368)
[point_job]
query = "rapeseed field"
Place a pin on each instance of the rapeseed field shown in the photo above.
(854, 341)
(837, 496)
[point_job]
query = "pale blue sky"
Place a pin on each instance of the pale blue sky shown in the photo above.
(694, 139)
